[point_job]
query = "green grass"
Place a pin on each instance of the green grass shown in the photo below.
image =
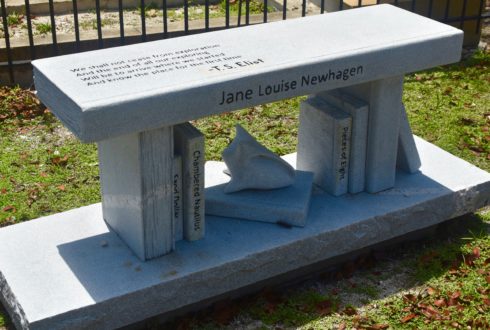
(450, 106)
(91, 24)
(41, 172)
(43, 28)
(14, 19)
(445, 278)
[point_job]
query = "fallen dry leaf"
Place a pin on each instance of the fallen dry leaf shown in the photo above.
(377, 327)
(349, 310)
(476, 252)
(60, 161)
(408, 318)
(440, 302)
(9, 208)
(431, 291)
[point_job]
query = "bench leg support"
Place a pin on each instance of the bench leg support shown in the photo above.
(408, 158)
(385, 108)
(136, 183)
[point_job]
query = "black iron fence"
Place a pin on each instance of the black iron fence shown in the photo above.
(56, 27)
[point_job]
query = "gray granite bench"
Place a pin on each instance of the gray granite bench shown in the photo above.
(86, 268)
(127, 99)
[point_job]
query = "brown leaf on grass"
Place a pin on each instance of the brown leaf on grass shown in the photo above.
(426, 313)
(60, 161)
(3, 191)
(377, 327)
(476, 252)
(454, 298)
(432, 311)
(324, 307)
(408, 318)
(409, 298)
(486, 301)
(440, 302)
(487, 261)
(447, 91)
(483, 291)
(9, 208)
(487, 279)
(431, 291)
(467, 121)
(61, 187)
(342, 326)
(349, 310)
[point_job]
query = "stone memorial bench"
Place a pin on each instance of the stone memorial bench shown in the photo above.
(129, 100)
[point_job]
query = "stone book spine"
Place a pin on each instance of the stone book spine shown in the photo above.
(324, 140)
(359, 111)
(177, 198)
(189, 143)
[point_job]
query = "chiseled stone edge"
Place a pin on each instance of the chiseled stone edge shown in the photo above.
(8, 299)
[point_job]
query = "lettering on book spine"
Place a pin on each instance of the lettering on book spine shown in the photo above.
(344, 153)
(196, 188)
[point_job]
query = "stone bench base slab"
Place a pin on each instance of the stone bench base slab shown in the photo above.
(69, 271)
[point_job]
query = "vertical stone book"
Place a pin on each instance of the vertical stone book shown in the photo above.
(359, 112)
(189, 143)
(324, 144)
(177, 209)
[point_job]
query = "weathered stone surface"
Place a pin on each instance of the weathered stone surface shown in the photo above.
(253, 166)
(136, 174)
(119, 91)
(71, 272)
(288, 205)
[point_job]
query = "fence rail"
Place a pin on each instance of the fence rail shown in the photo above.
(23, 37)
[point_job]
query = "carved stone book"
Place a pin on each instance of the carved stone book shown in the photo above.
(324, 144)
(189, 143)
(359, 110)
(177, 209)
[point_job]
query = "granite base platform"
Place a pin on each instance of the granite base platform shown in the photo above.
(69, 270)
